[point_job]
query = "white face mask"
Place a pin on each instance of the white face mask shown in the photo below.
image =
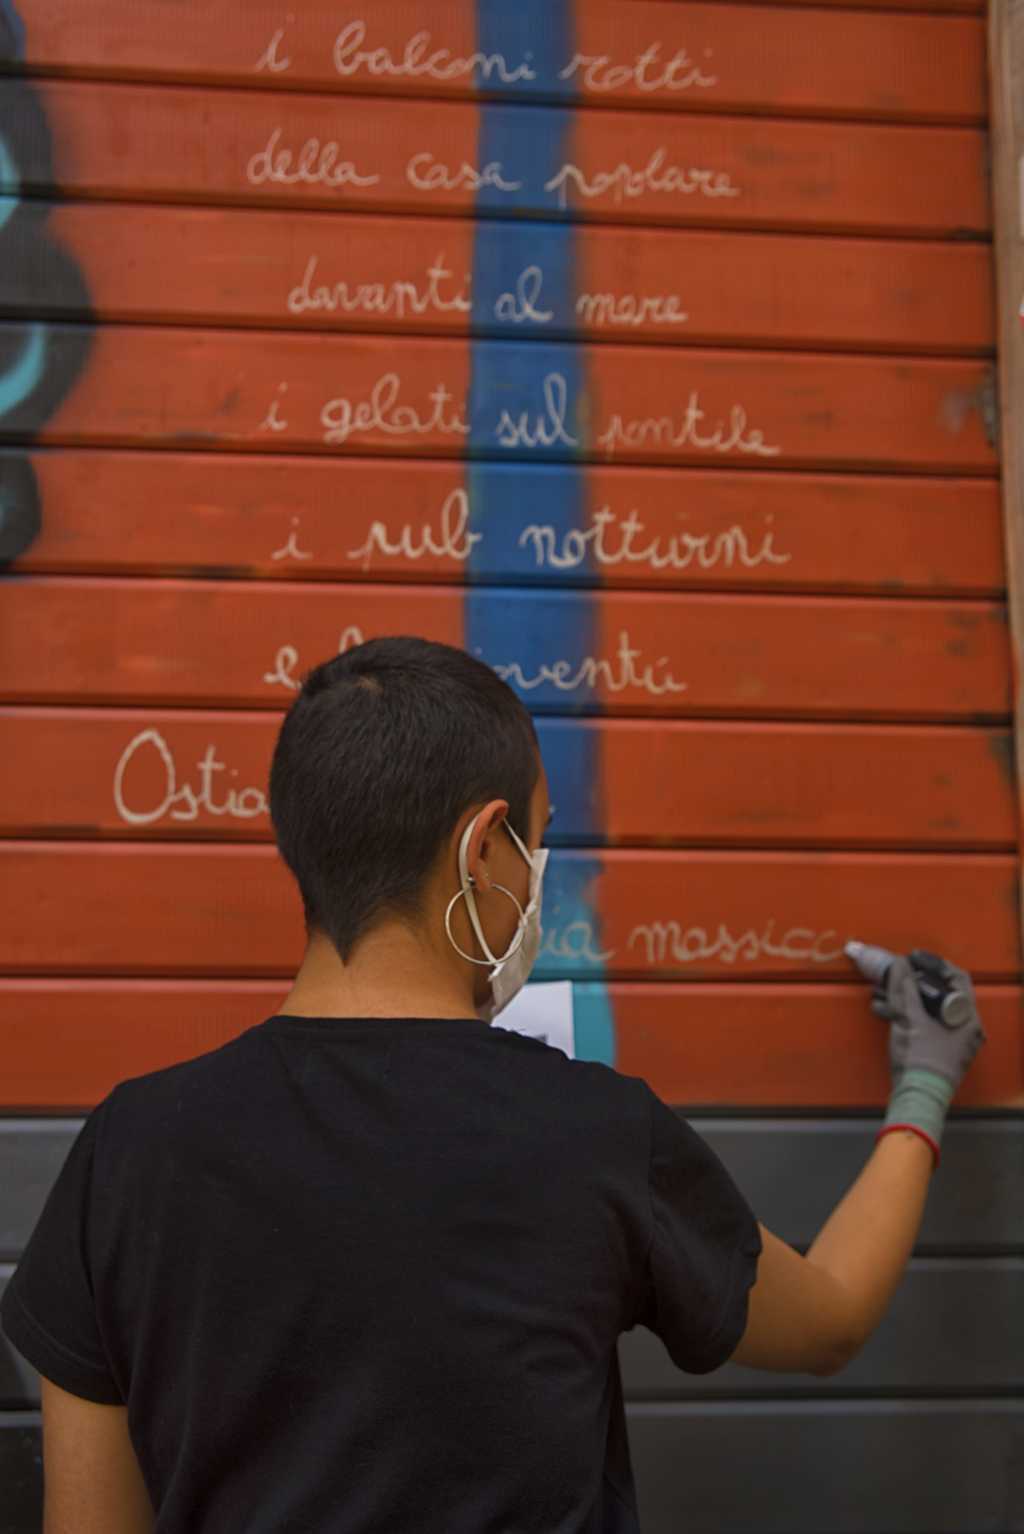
(512, 968)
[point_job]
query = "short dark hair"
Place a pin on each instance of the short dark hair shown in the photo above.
(384, 748)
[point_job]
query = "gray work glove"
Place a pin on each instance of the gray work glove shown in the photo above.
(928, 1058)
(918, 1041)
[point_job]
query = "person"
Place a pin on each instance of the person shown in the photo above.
(364, 1267)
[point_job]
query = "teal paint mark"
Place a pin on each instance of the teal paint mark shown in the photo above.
(24, 376)
(571, 947)
(38, 375)
(10, 183)
(593, 1022)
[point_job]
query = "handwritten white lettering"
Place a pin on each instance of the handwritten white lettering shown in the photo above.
(269, 60)
(541, 429)
(185, 802)
(283, 674)
(667, 431)
(566, 550)
(520, 304)
(273, 420)
(381, 412)
(419, 57)
(398, 300)
(291, 550)
(427, 174)
(628, 309)
(453, 541)
(647, 72)
(626, 181)
(287, 658)
(577, 940)
(617, 675)
(663, 941)
(315, 164)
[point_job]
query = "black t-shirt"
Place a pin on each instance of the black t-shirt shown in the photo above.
(364, 1276)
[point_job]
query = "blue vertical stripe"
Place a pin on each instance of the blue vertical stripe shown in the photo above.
(525, 520)
(530, 272)
(15, 25)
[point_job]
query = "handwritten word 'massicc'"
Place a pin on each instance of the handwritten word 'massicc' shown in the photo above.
(668, 942)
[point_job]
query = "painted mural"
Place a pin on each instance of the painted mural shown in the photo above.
(673, 410)
(646, 351)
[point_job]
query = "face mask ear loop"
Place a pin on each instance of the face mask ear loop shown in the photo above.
(519, 843)
(474, 916)
(537, 861)
(467, 890)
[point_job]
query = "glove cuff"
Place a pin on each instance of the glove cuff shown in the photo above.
(920, 1101)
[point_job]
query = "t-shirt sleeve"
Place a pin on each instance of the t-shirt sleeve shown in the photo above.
(705, 1244)
(47, 1309)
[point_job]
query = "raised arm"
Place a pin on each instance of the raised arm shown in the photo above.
(813, 1314)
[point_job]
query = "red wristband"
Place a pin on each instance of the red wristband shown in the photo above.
(914, 1129)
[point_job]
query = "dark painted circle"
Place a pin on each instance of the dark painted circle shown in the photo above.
(20, 519)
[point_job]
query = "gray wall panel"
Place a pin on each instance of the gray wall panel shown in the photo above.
(32, 1151)
(794, 1171)
(19, 1380)
(21, 1473)
(923, 1467)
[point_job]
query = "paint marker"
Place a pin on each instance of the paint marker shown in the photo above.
(940, 999)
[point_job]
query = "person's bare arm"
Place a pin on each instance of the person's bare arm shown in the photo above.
(813, 1314)
(92, 1483)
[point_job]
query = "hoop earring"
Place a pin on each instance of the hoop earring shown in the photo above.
(520, 934)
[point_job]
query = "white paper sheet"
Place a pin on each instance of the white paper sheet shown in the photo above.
(543, 1011)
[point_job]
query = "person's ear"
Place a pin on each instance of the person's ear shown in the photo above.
(481, 843)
